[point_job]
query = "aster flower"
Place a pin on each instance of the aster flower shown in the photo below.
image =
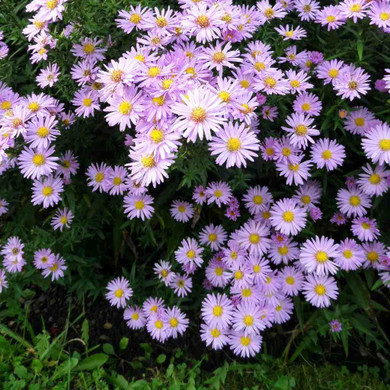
(181, 211)
(152, 306)
(48, 76)
(283, 252)
(218, 192)
(119, 291)
(291, 279)
(43, 258)
(199, 195)
(352, 83)
(245, 345)
(365, 229)
(216, 274)
(308, 194)
(330, 17)
(351, 255)
(318, 290)
(355, 9)
(234, 145)
(157, 327)
(89, 49)
(253, 236)
(164, 272)
(98, 177)
(374, 251)
(116, 183)
(269, 12)
(177, 322)
(216, 337)
(291, 33)
(373, 180)
(247, 319)
(13, 249)
(272, 82)
(327, 153)
(316, 255)
(213, 236)
(138, 206)
(134, 317)
(47, 191)
(199, 112)
(36, 163)
(189, 253)
(217, 310)
(181, 285)
(283, 310)
(41, 131)
(257, 199)
(295, 172)
(3, 206)
(329, 71)
(307, 103)
(62, 218)
(300, 130)
(307, 9)
(335, 326)
(136, 17)
(68, 165)
(376, 144)
(379, 13)
(353, 202)
(55, 269)
(339, 219)
(86, 101)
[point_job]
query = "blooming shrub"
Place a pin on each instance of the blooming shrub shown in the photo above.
(265, 119)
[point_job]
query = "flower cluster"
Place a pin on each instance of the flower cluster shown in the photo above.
(3, 46)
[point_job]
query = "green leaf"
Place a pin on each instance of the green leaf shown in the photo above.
(92, 362)
(123, 343)
(108, 349)
(36, 365)
(360, 48)
(161, 359)
(21, 372)
(85, 331)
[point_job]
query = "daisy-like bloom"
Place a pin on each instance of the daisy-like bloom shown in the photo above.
(330, 17)
(41, 131)
(189, 253)
(68, 165)
(98, 177)
(125, 109)
(245, 345)
(376, 144)
(3, 206)
(308, 195)
(292, 280)
(89, 49)
(181, 285)
(163, 271)
(116, 183)
(327, 153)
(269, 12)
(152, 306)
(13, 249)
(319, 290)
(307, 9)
(269, 113)
(268, 150)
(288, 217)
(253, 236)
(379, 13)
(119, 291)
(157, 326)
(181, 211)
(43, 258)
(84, 72)
(300, 130)
(177, 322)
(373, 181)
(199, 195)
(203, 22)
(283, 310)
(292, 33)
(241, 276)
(257, 199)
(298, 81)
(199, 112)
(247, 319)
(48, 76)
(365, 229)
(335, 326)
(283, 252)
(134, 317)
(359, 121)
(218, 192)
(272, 82)
(316, 254)
(295, 172)
(355, 9)
(216, 337)
(138, 206)
(329, 71)
(374, 251)
(353, 202)
(307, 103)
(352, 83)
(351, 255)
(3, 281)
(217, 310)
(216, 274)
(136, 17)
(55, 269)
(234, 145)
(47, 191)
(218, 57)
(36, 163)
(339, 219)
(213, 236)
(62, 218)
(86, 101)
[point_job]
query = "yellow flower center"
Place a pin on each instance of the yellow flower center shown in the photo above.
(330, 18)
(286, 152)
(39, 25)
(269, 13)
(54, 267)
(359, 121)
(384, 16)
(47, 191)
(156, 135)
(159, 100)
(354, 201)
(266, 214)
(306, 107)
(356, 7)
(218, 310)
(154, 71)
(164, 273)
(116, 75)
(269, 151)
(295, 83)
(305, 199)
(38, 160)
(366, 225)
(148, 161)
(87, 102)
(301, 130)
(372, 256)
(293, 167)
(212, 237)
(258, 199)
(320, 289)
(321, 256)
(384, 144)
(374, 178)
(166, 83)
(198, 115)
(333, 73)
(191, 254)
(89, 48)
(288, 216)
(173, 322)
(51, 4)
(135, 18)
(246, 292)
(215, 333)
(42, 51)
(283, 250)
(224, 96)
(248, 320)
(117, 181)
(219, 57)
(202, 21)
(238, 275)
(99, 177)
(259, 66)
(119, 293)
(43, 132)
(244, 84)
(353, 85)
(254, 238)
(347, 254)
(139, 204)
(217, 193)
(233, 144)
(158, 324)
(34, 106)
(140, 58)
(289, 33)
(256, 268)
(161, 22)
(125, 108)
(245, 341)
(218, 271)
(290, 280)
(135, 316)
(270, 82)
(326, 154)
(5, 105)
(64, 220)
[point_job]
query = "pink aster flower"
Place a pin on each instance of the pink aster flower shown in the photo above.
(119, 291)
(374, 251)
(47, 191)
(116, 180)
(134, 317)
(379, 13)
(335, 326)
(330, 17)
(247, 318)
(351, 255)
(287, 217)
(213, 336)
(359, 121)
(245, 345)
(234, 145)
(181, 211)
(41, 131)
(339, 219)
(365, 229)
(98, 177)
(283, 251)
(163, 270)
(218, 192)
(55, 269)
(62, 218)
(272, 82)
(269, 113)
(319, 290)
(48, 76)
(373, 180)
(86, 101)
(13, 249)
(327, 153)
(217, 310)
(292, 280)
(199, 195)
(376, 144)
(352, 83)
(138, 206)
(177, 322)
(199, 112)
(89, 49)
(181, 285)
(136, 17)
(329, 71)
(291, 33)
(355, 9)
(307, 103)
(295, 173)
(257, 199)
(43, 258)
(300, 130)
(269, 12)
(308, 194)
(189, 253)
(253, 236)
(68, 165)
(353, 202)
(316, 255)
(213, 236)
